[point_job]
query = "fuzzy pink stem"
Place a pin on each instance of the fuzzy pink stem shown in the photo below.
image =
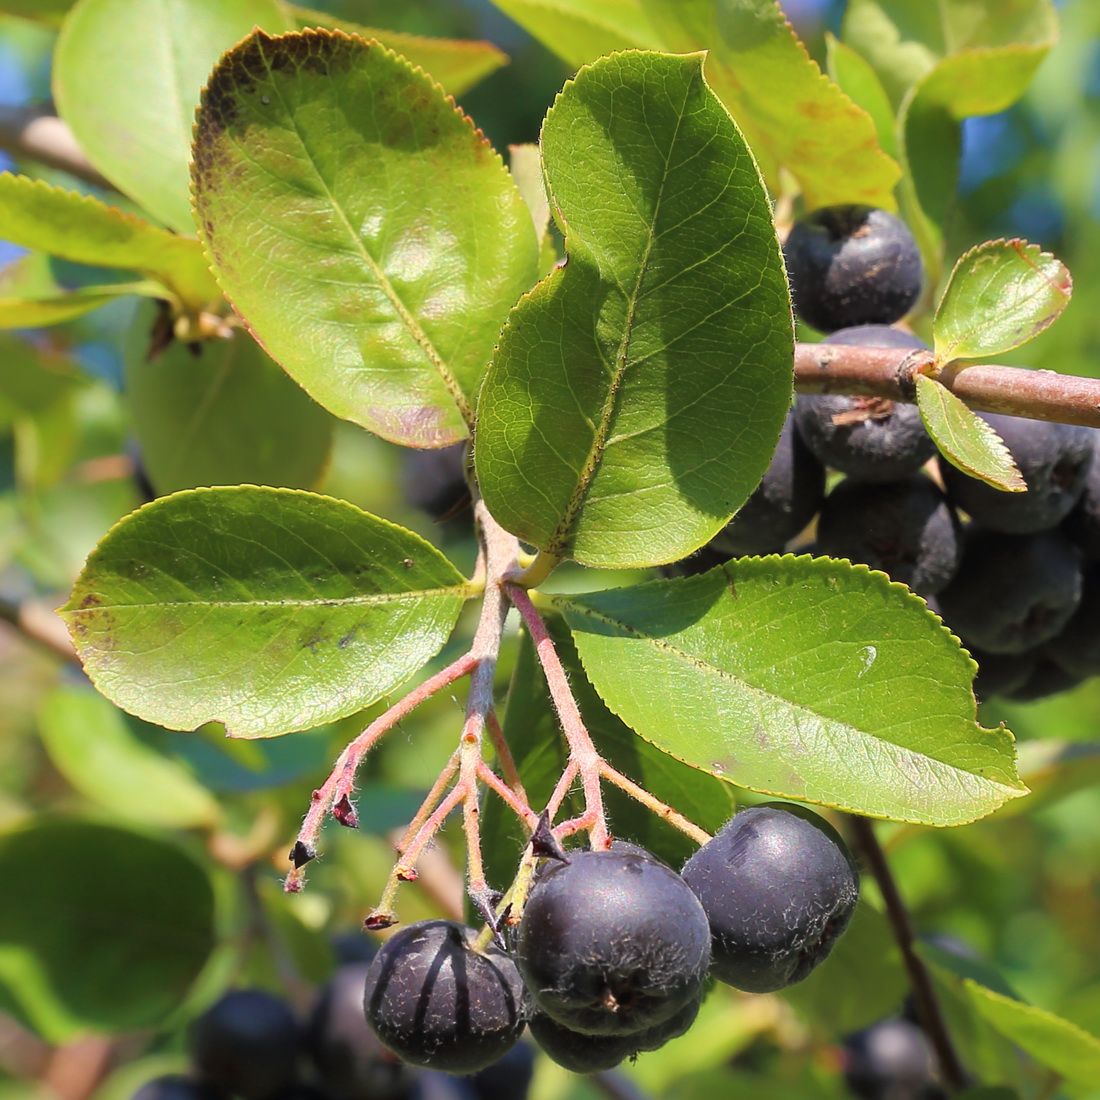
(521, 808)
(582, 751)
(334, 793)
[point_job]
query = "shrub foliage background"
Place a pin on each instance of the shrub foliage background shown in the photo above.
(141, 851)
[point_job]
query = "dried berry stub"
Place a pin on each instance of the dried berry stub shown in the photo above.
(351, 1061)
(580, 1053)
(437, 1002)
(248, 1044)
(779, 887)
(1053, 459)
(852, 265)
(612, 943)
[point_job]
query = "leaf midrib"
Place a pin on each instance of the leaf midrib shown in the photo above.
(560, 537)
(450, 382)
(463, 590)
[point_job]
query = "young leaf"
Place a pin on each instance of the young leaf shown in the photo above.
(813, 129)
(58, 308)
(637, 393)
(269, 610)
(390, 243)
(133, 114)
(580, 31)
(146, 906)
(965, 439)
(222, 416)
(457, 65)
(1001, 294)
(90, 743)
(859, 81)
(533, 731)
(83, 229)
(1053, 1042)
(806, 678)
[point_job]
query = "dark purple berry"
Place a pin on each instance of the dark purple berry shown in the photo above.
(904, 528)
(852, 265)
(509, 1078)
(779, 887)
(786, 499)
(437, 1002)
(1054, 461)
(1076, 648)
(248, 1044)
(176, 1086)
(612, 943)
(349, 1057)
(435, 480)
(890, 1060)
(582, 1053)
(1012, 592)
(867, 438)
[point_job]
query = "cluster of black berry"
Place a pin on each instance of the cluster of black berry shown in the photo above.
(1020, 582)
(251, 1046)
(613, 948)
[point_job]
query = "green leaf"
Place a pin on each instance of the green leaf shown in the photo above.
(580, 31)
(44, 11)
(456, 65)
(81, 228)
(133, 116)
(222, 415)
(525, 164)
(32, 380)
(1050, 1040)
(813, 129)
(532, 730)
(998, 44)
(269, 610)
(807, 678)
(390, 241)
(92, 746)
(145, 912)
(900, 40)
(861, 982)
(965, 439)
(1001, 294)
(637, 393)
(859, 81)
(58, 308)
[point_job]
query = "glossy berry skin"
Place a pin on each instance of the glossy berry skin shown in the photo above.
(612, 943)
(904, 528)
(435, 480)
(351, 1061)
(866, 438)
(852, 265)
(1054, 460)
(779, 887)
(436, 1002)
(787, 498)
(1012, 592)
(248, 1044)
(176, 1086)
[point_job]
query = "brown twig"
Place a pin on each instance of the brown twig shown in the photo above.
(35, 133)
(889, 373)
(40, 625)
(929, 1012)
